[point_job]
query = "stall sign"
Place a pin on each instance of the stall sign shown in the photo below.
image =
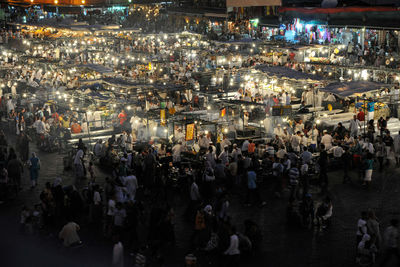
(282, 110)
(189, 131)
(162, 117)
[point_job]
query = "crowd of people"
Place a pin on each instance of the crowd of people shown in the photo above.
(133, 206)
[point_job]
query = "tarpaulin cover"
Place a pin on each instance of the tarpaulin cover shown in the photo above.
(96, 67)
(118, 81)
(94, 86)
(248, 3)
(281, 72)
(351, 88)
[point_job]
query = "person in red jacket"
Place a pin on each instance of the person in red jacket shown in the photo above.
(361, 115)
(122, 117)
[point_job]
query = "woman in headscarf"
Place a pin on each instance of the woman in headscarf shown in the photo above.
(34, 169)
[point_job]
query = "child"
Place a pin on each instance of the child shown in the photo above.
(91, 171)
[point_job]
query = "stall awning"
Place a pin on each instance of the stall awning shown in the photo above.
(97, 68)
(249, 3)
(351, 88)
(282, 72)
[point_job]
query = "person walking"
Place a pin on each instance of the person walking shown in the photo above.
(380, 152)
(34, 167)
(15, 170)
(368, 165)
(232, 254)
(252, 189)
(391, 238)
(373, 228)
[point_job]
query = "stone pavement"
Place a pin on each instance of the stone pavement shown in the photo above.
(282, 245)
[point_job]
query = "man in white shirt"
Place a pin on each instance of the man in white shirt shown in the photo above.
(286, 136)
(330, 98)
(327, 140)
(314, 138)
(233, 250)
(367, 145)
(180, 136)
(10, 105)
(354, 126)
(98, 148)
(296, 141)
(235, 153)
(337, 152)
(225, 142)
(245, 145)
(299, 126)
(278, 130)
(176, 152)
(203, 142)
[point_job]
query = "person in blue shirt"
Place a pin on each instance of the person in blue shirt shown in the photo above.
(252, 190)
(371, 109)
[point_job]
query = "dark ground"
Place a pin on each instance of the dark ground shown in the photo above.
(282, 245)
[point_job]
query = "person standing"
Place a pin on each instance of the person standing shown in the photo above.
(323, 163)
(34, 167)
(396, 148)
(388, 140)
(326, 140)
(78, 163)
(15, 170)
(380, 152)
(373, 228)
(382, 125)
(23, 144)
(252, 189)
(232, 254)
(369, 165)
(361, 227)
(354, 126)
(391, 237)
(346, 159)
(118, 253)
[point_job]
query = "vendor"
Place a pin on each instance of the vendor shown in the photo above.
(180, 136)
(75, 127)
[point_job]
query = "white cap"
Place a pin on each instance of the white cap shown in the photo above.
(208, 209)
(325, 131)
(278, 125)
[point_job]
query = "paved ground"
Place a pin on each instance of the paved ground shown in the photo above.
(282, 245)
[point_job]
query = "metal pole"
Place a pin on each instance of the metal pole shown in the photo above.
(88, 128)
